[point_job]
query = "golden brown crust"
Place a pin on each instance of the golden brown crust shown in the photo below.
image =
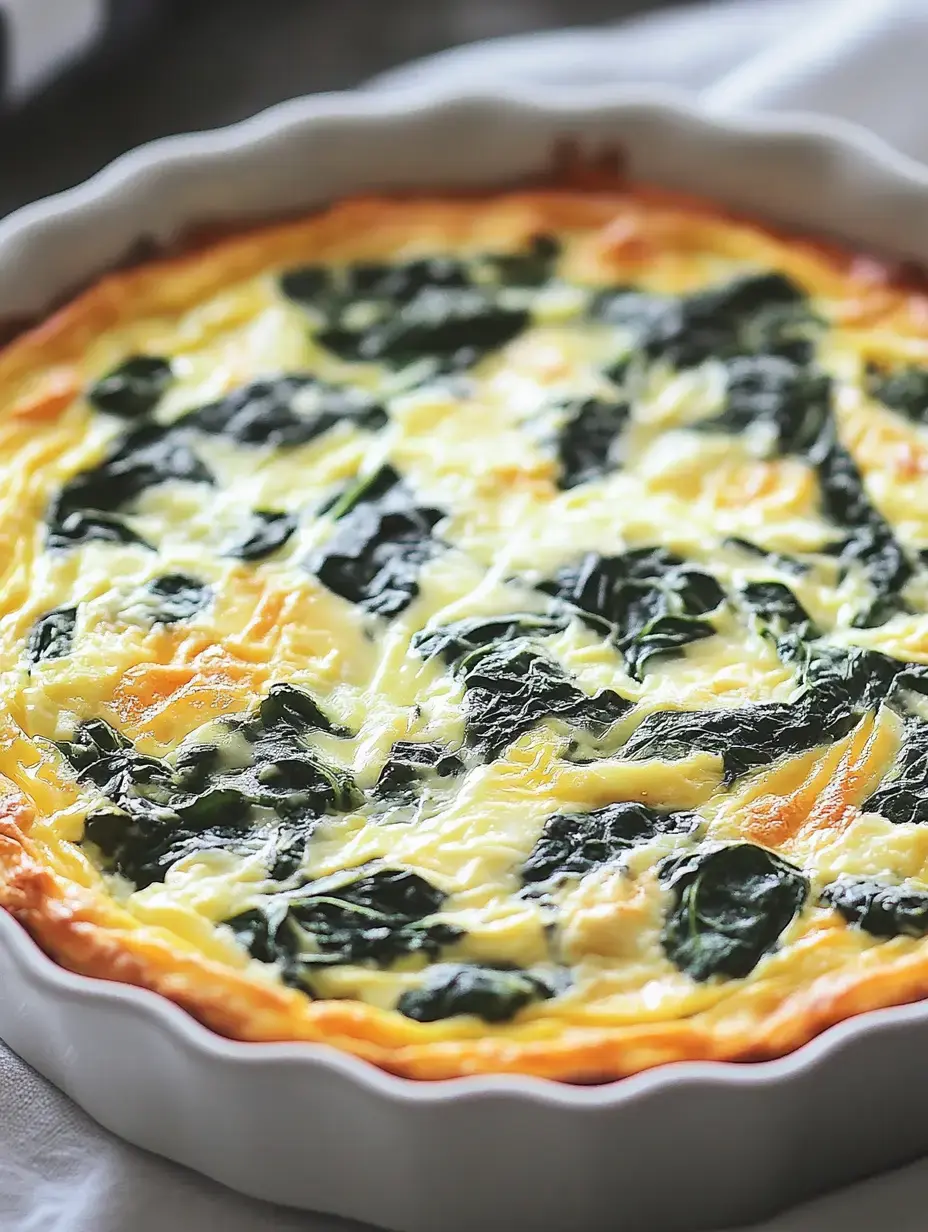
(85, 931)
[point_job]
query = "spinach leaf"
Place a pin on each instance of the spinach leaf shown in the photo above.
(588, 439)
(175, 596)
(160, 812)
(52, 635)
(68, 527)
(331, 291)
(134, 389)
(531, 267)
(648, 601)
(377, 918)
(510, 687)
(791, 401)
(144, 457)
(455, 328)
(572, 844)
(285, 411)
(778, 560)
(729, 907)
(268, 533)
(288, 706)
(374, 919)
(903, 389)
(410, 763)
(879, 908)
(382, 539)
(459, 639)
(903, 797)
(872, 542)
(495, 994)
(757, 314)
(777, 609)
(747, 736)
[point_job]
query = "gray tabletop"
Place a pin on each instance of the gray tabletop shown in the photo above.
(202, 63)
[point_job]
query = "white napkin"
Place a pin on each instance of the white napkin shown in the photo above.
(863, 60)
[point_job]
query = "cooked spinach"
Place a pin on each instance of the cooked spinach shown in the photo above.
(791, 401)
(381, 541)
(285, 411)
(286, 705)
(175, 596)
(777, 609)
(872, 542)
(331, 291)
(572, 844)
(778, 560)
(52, 635)
(141, 459)
(588, 439)
(512, 686)
(747, 736)
(903, 797)
(453, 327)
(878, 907)
(159, 811)
(410, 763)
(268, 533)
(377, 918)
(68, 527)
(134, 389)
(533, 266)
(757, 314)
(903, 389)
(459, 639)
(648, 601)
(495, 994)
(729, 907)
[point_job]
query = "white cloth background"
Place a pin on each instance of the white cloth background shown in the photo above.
(861, 59)
(44, 35)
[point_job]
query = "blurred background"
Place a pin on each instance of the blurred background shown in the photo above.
(167, 66)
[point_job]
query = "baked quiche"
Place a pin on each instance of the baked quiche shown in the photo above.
(484, 634)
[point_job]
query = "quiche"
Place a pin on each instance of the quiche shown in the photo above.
(484, 634)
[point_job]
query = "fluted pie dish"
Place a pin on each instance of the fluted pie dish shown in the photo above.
(480, 632)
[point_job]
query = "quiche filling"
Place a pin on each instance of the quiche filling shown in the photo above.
(489, 625)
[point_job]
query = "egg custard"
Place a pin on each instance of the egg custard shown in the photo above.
(483, 634)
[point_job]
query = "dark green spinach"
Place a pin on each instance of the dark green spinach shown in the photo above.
(757, 314)
(728, 908)
(648, 601)
(461, 638)
(285, 411)
(495, 994)
(175, 596)
(410, 763)
(381, 541)
(792, 401)
(747, 736)
(871, 542)
(512, 686)
(777, 560)
(378, 918)
(52, 635)
(573, 844)
(268, 533)
(903, 797)
(588, 439)
(878, 907)
(134, 389)
(903, 389)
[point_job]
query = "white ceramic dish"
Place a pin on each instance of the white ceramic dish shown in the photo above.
(681, 1149)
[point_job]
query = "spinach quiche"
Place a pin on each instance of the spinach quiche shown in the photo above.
(484, 634)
